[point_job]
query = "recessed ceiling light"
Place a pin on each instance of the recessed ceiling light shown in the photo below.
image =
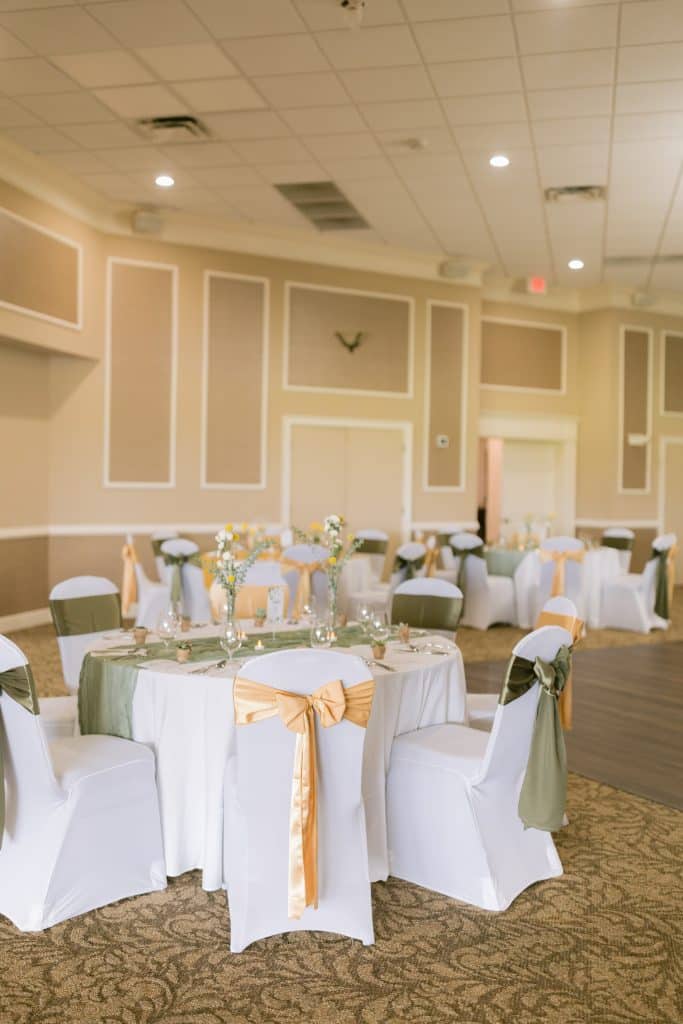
(575, 264)
(499, 160)
(164, 181)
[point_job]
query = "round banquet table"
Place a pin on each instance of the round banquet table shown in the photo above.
(187, 720)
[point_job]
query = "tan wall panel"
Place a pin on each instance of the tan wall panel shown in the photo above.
(445, 395)
(673, 373)
(23, 574)
(673, 499)
(318, 359)
(635, 407)
(38, 272)
(235, 349)
(141, 357)
(521, 355)
(24, 436)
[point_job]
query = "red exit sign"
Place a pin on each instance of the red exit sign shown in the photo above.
(536, 285)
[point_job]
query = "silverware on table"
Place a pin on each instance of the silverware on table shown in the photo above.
(207, 668)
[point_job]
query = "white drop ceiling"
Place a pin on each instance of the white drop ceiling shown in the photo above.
(575, 92)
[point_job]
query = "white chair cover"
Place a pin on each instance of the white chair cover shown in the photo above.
(488, 599)
(72, 649)
(307, 553)
(623, 533)
(574, 585)
(82, 822)
(153, 598)
(377, 561)
(161, 535)
(429, 586)
(452, 796)
(258, 785)
(195, 598)
(628, 601)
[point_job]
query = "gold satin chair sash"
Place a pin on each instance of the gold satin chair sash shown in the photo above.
(303, 587)
(560, 558)
(573, 625)
(331, 702)
(209, 561)
(252, 596)
(129, 586)
(432, 560)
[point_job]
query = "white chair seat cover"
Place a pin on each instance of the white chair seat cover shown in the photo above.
(59, 716)
(72, 649)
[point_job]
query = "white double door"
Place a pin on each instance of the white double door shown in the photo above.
(354, 471)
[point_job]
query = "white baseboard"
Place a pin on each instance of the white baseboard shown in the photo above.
(25, 620)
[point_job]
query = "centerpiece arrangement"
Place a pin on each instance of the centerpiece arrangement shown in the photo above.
(329, 535)
(233, 563)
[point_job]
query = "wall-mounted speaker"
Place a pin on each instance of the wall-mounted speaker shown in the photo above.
(146, 222)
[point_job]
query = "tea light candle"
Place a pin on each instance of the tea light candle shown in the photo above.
(258, 645)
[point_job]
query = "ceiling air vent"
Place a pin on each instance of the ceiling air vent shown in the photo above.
(183, 128)
(324, 205)
(572, 193)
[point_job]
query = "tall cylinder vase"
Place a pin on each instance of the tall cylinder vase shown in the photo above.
(229, 604)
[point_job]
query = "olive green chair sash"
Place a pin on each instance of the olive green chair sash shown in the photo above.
(662, 582)
(462, 554)
(408, 566)
(19, 685)
(73, 616)
(427, 611)
(177, 562)
(443, 540)
(544, 790)
(620, 543)
(371, 546)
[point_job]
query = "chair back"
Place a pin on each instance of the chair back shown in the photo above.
(508, 747)
(427, 603)
(259, 777)
(306, 554)
(409, 561)
(83, 608)
(261, 576)
(620, 538)
(195, 600)
(664, 541)
(375, 546)
(573, 570)
(157, 538)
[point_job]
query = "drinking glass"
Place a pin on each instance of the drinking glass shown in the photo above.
(231, 640)
(321, 635)
(168, 626)
(364, 616)
(379, 628)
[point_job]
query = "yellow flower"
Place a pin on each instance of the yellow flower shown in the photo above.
(332, 560)
(351, 538)
(228, 527)
(316, 526)
(231, 579)
(243, 527)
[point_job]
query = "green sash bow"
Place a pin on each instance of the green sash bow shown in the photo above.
(662, 582)
(177, 562)
(620, 543)
(408, 566)
(73, 616)
(371, 546)
(544, 790)
(427, 611)
(19, 685)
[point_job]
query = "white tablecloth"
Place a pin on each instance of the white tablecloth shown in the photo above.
(188, 721)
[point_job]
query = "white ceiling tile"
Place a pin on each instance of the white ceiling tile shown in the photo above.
(427, 167)
(272, 151)
(135, 158)
(433, 10)
(332, 147)
(181, 63)
(567, 130)
(11, 48)
(643, 97)
(324, 120)
(570, 102)
(466, 39)
(104, 67)
(663, 125)
(630, 276)
(108, 184)
(520, 172)
(572, 165)
(321, 15)
(286, 174)
(225, 177)
(103, 136)
(473, 77)
(264, 205)
(80, 162)
(370, 48)
(183, 179)
(650, 63)
(390, 84)
(12, 115)
(432, 140)
(26, 5)
(321, 88)
(494, 137)
(61, 30)
(485, 109)
(220, 94)
(544, 5)
(668, 277)
(230, 19)
(209, 154)
(656, 21)
(39, 138)
(389, 208)
(191, 199)
(573, 28)
(32, 75)
(359, 169)
(406, 116)
(566, 70)
(255, 124)
(67, 108)
(275, 55)
(139, 23)
(141, 101)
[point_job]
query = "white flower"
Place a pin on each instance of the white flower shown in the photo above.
(332, 524)
(220, 537)
(229, 536)
(227, 558)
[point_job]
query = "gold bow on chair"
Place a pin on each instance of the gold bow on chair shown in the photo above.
(332, 702)
(432, 560)
(573, 625)
(560, 559)
(303, 587)
(129, 587)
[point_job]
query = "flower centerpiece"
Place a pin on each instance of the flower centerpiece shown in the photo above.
(232, 564)
(329, 534)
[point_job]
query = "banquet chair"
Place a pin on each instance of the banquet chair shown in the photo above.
(83, 608)
(157, 539)
(81, 823)
(374, 548)
(302, 569)
(620, 538)
(427, 603)
(641, 601)
(181, 558)
(409, 561)
(261, 576)
(260, 808)
(561, 573)
(481, 707)
(487, 598)
(454, 803)
(153, 598)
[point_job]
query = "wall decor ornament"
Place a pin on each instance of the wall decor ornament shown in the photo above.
(351, 346)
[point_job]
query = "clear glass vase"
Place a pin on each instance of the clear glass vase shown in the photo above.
(228, 605)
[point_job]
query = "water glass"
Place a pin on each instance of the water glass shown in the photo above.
(321, 635)
(231, 639)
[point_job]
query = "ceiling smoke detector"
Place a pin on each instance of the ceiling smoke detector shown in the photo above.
(572, 193)
(164, 130)
(353, 12)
